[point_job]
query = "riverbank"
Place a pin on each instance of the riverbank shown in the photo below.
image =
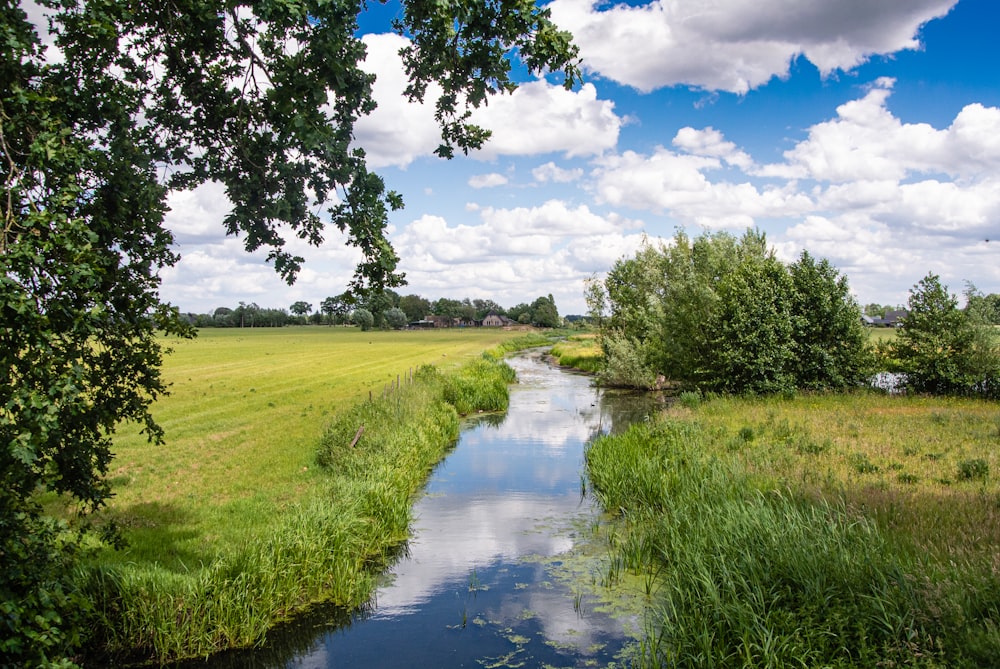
(234, 525)
(833, 530)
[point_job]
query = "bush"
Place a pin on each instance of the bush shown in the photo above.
(976, 469)
(41, 610)
(624, 365)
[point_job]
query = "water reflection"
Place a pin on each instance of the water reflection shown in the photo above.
(479, 584)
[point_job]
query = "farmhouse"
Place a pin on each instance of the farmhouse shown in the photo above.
(494, 320)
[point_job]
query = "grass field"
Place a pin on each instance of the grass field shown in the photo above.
(243, 422)
(818, 530)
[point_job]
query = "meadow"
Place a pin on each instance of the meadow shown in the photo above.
(842, 530)
(238, 521)
(245, 414)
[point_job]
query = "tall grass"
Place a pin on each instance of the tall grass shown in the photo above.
(328, 547)
(579, 352)
(750, 576)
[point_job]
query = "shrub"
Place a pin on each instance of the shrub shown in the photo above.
(975, 469)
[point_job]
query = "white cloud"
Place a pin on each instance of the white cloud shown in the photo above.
(709, 142)
(490, 180)
(736, 45)
(536, 118)
(398, 131)
(552, 172)
(514, 255)
(196, 215)
(541, 118)
(677, 185)
(866, 142)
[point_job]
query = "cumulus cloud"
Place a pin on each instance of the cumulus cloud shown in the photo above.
(506, 254)
(398, 131)
(490, 180)
(541, 118)
(709, 142)
(536, 118)
(736, 45)
(552, 172)
(866, 142)
(677, 185)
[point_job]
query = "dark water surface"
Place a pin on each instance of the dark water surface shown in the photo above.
(501, 570)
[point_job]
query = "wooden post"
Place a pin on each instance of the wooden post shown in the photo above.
(354, 442)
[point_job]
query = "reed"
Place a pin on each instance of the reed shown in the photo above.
(582, 352)
(751, 574)
(481, 385)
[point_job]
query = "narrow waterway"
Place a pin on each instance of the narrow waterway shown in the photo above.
(505, 568)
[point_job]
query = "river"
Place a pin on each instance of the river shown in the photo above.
(507, 564)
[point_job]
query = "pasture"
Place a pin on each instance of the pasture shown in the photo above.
(243, 422)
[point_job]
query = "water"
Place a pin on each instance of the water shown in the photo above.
(505, 567)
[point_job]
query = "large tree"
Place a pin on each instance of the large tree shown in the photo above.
(133, 100)
(723, 314)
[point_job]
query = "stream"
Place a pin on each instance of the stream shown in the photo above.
(507, 564)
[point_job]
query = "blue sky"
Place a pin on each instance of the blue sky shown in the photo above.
(864, 131)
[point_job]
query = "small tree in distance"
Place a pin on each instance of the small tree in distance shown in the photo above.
(395, 318)
(363, 319)
(943, 350)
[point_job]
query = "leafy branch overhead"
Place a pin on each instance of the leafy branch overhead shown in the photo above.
(113, 105)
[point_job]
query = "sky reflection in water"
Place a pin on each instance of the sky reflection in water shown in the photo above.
(480, 584)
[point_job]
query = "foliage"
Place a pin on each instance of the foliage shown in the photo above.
(753, 330)
(942, 349)
(544, 313)
(987, 307)
(395, 318)
(133, 101)
(301, 308)
(415, 307)
(41, 609)
(624, 366)
(363, 319)
(830, 350)
(720, 313)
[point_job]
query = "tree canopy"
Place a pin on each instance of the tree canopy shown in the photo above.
(942, 349)
(111, 107)
(724, 314)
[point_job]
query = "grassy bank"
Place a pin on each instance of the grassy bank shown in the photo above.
(235, 524)
(579, 352)
(814, 531)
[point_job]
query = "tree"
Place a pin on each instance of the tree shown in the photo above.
(723, 314)
(301, 308)
(363, 318)
(940, 348)
(544, 313)
(415, 307)
(336, 307)
(145, 99)
(395, 318)
(830, 340)
(752, 338)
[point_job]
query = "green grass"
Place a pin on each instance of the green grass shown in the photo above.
(580, 352)
(233, 524)
(246, 412)
(812, 531)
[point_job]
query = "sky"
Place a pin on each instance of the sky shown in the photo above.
(866, 132)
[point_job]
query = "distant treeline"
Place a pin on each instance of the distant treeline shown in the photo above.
(386, 310)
